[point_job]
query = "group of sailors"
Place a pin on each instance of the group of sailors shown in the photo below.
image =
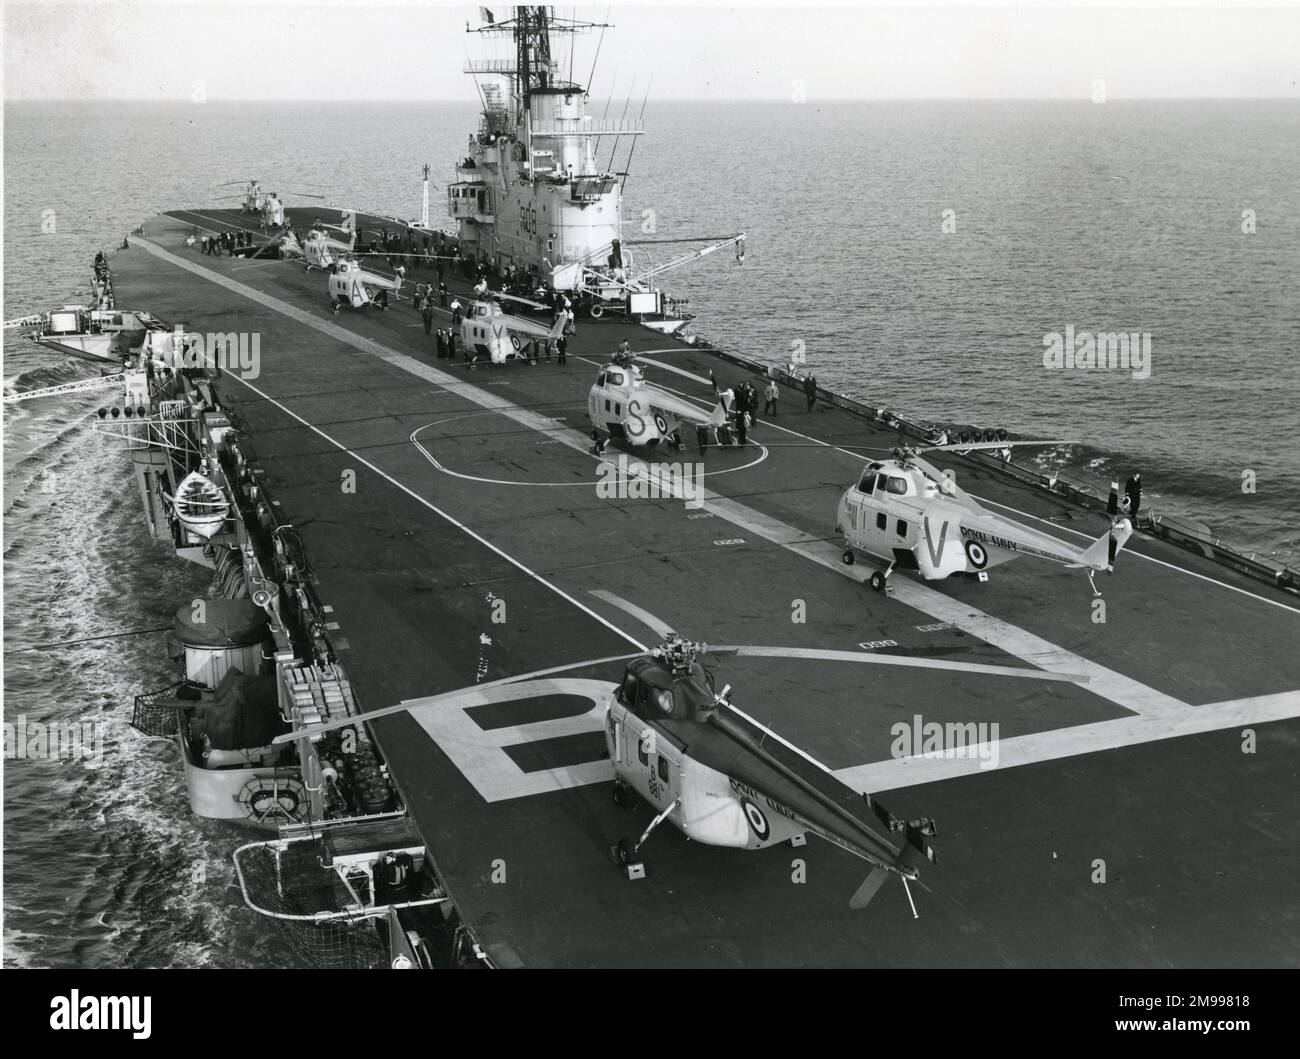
(740, 405)
(102, 283)
(228, 242)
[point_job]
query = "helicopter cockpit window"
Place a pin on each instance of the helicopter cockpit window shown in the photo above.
(663, 699)
(616, 378)
(600, 379)
(868, 481)
(898, 486)
(627, 693)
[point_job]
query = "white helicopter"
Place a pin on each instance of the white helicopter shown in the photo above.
(624, 407)
(350, 284)
(716, 774)
(907, 512)
(267, 204)
(489, 331)
(320, 250)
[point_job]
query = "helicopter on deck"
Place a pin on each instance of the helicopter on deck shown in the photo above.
(716, 774)
(350, 284)
(321, 250)
(490, 331)
(907, 512)
(267, 205)
(624, 407)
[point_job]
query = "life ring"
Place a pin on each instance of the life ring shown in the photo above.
(978, 557)
(596, 311)
(268, 797)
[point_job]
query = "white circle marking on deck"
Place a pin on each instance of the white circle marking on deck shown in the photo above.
(438, 465)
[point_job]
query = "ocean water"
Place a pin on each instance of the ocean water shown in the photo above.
(1117, 217)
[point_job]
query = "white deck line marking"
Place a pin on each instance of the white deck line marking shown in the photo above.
(1140, 555)
(656, 625)
(1005, 507)
(1122, 690)
(443, 514)
(1070, 742)
(1159, 716)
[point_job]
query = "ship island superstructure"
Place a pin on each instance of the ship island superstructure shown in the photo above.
(531, 197)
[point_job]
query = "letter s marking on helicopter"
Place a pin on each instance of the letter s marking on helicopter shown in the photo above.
(634, 412)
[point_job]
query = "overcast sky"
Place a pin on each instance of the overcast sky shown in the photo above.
(347, 51)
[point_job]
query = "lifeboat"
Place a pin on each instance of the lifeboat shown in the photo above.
(200, 505)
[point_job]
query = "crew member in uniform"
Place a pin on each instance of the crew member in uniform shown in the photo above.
(1133, 490)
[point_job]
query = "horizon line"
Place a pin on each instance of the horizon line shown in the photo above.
(693, 99)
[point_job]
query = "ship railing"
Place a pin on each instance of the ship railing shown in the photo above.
(261, 886)
(588, 127)
(491, 66)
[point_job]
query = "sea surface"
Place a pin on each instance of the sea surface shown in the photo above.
(1124, 216)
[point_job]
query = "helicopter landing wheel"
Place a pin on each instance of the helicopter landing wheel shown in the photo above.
(619, 854)
(847, 558)
(620, 795)
(877, 582)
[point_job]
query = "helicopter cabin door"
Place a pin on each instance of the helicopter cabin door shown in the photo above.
(652, 763)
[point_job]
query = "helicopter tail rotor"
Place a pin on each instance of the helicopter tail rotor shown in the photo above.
(1100, 555)
(914, 849)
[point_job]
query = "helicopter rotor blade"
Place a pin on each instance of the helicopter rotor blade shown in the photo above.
(656, 625)
(446, 696)
(894, 660)
(870, 887)
(503, 296)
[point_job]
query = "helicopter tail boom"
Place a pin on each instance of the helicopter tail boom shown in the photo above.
(1100, 555)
